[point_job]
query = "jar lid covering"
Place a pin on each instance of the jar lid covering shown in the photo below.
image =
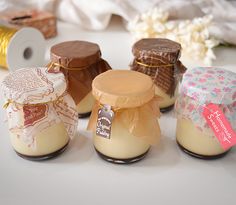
(33, 85)
(73, 54)
(211, 85)
(157, 47)
(123, 88)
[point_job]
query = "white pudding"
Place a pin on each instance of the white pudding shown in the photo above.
(86, 104)
(121, 145)
(48, 141)
(195, 140)
(166, 100)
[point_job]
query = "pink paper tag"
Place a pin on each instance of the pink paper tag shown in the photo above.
(220, 125)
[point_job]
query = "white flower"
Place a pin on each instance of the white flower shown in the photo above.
(211, 43)
(170, 25)
(192, 35)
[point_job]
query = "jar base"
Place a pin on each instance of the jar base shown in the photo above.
(199, 156)
(43, 157)
(84, 115)
(167, 109)
(122, 161)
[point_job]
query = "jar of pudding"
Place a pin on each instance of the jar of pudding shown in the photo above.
(81, 62)
(159, 58)
(41, 115)
(124, 119)
(205, 90)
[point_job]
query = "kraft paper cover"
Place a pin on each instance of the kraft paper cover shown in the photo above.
(140, 121)
(123, 88)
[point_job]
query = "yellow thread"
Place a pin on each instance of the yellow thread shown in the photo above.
(9, 101)
(5, 106)
(52, 64)
(5, 37)
(153, 66)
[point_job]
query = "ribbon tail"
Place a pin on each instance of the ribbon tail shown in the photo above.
(67, 114)
(7, 103)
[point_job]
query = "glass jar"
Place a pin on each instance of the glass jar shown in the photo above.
(81, 62)
(159, 58)
(41, 115)
(124, 118)
(201, 88)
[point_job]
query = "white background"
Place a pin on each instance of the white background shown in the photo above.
(79, 176)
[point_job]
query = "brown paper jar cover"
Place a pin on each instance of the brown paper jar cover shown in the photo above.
(159, 58)
(132, 97)
(81, 62)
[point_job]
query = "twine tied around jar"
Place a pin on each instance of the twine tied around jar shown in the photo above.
(159, 58)
(166, 76)
(79, 78)
(52, 65)
(9, 101)
(154, 66)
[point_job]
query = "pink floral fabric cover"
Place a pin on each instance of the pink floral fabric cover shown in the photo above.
(204, 85)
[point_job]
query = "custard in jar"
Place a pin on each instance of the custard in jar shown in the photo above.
(41, 115)
(124, 118)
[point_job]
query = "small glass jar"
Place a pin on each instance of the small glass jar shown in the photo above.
(200, 88)
(81, 62)
(41, 115)
(124, 118)
(159, 58)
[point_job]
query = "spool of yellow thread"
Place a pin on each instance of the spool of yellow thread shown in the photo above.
(21, 48)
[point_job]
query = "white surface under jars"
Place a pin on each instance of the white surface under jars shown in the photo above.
(166, 176)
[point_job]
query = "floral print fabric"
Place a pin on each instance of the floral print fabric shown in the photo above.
(201, 86)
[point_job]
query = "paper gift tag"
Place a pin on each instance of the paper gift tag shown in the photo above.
(220, 125)
(104, 121)
(33, 114)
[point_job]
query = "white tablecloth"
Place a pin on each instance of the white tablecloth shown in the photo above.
(166, 176)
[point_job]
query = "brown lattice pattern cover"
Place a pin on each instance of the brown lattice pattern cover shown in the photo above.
(159, 58)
